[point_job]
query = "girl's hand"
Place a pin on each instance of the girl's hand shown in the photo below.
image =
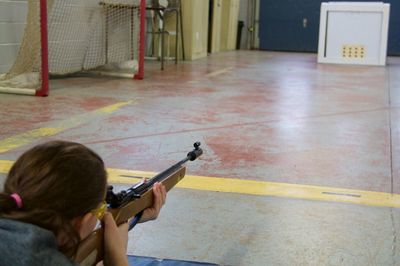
(159, 197)
(115, 242)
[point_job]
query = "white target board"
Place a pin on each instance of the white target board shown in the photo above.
(353, 33)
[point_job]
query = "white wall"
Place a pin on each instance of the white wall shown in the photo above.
(12, 23)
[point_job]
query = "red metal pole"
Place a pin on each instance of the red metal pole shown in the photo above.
(44, 91)
(140, 72)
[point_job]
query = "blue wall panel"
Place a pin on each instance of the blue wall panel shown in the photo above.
(293, 25)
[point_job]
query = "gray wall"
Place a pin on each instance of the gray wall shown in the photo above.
(12, 23)
(243, 16)
(249, 14)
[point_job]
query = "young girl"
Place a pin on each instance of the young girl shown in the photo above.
(52, 199)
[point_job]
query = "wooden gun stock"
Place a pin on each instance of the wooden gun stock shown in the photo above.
(91, 250)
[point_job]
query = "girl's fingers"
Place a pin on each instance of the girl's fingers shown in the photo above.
(158, 197)
(164, 194)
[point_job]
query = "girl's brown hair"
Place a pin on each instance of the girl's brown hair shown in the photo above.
(57, 182)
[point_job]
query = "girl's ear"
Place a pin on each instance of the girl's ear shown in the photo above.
(85, 224)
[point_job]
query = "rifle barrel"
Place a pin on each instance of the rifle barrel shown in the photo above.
(138, 190)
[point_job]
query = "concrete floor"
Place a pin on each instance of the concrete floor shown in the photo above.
(260, 116)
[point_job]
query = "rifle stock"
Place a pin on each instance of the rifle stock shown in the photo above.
(91, 250)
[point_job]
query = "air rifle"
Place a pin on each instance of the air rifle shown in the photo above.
(129, 203)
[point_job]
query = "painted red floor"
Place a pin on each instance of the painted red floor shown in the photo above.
(260, 116)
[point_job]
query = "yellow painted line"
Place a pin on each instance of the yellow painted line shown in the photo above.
(27, 137)
(276, 189)
(5, 166)
(55, 127)
(113, 107)
(213, 74)
(261, 188)
(219, 72)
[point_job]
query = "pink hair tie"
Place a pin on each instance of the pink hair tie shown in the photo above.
(17, 199)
